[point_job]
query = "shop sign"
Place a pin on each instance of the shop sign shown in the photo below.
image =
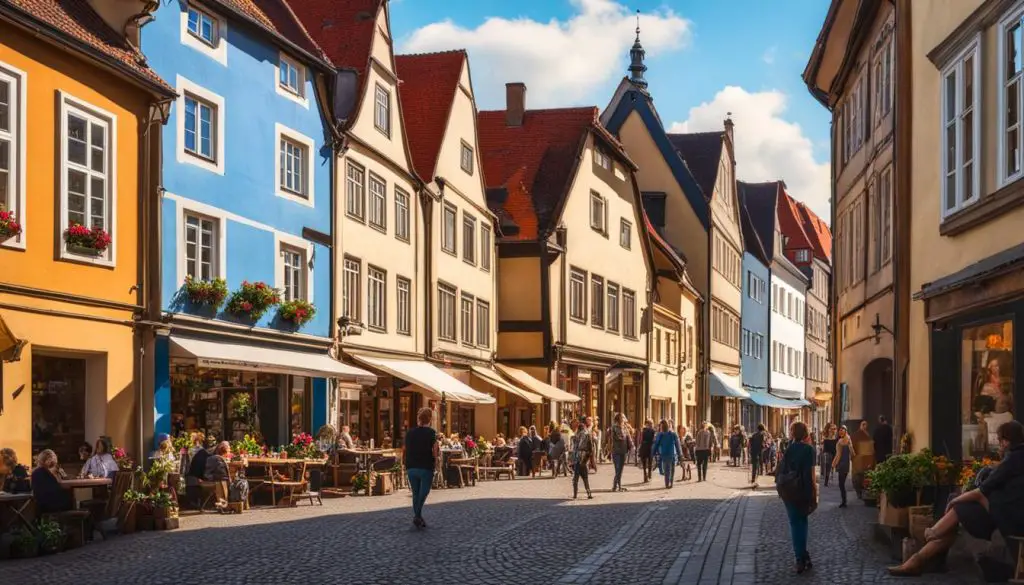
(348, 394)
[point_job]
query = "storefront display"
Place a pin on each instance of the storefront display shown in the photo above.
(58, 406)
(988, 385)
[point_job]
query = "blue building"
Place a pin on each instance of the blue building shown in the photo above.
(246, 210)
(754, 320)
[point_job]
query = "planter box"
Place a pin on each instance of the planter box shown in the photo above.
(166, 524)
(889, 515)
(83, 250)
(127, 519)
(384, 484)
(145, 522)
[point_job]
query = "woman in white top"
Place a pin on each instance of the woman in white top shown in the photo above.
(102, 463)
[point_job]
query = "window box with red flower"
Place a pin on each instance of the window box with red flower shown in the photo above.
(253, 300)
(86, 242)
(298, 312)
(206, 292)
(9, 226)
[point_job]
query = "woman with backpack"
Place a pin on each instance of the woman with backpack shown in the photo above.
(797, 484)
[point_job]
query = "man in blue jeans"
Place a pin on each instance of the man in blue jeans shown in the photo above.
(619, 443)
(421, 453)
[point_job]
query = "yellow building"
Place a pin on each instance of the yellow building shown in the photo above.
(967, 278)
(74, 101)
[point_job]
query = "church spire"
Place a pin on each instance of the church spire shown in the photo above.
(636, 57)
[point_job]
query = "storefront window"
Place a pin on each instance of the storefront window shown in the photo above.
(225, 404)
(58, 406)
(987, 386)
(297, 406)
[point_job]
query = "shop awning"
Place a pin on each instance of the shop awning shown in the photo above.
(534, 385)
(10, 346)
(726, 386)
(238, 356)
(822, 396)
(428, 377)
(765, 399)
(494, 379)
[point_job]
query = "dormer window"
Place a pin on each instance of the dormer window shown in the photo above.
(803, 255)
(602, 159)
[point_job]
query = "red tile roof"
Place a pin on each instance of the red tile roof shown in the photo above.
(790, 223)
(343, 28)
(76, 20)
(702, 153)
(427, 88)
(534, 163)
(819, 232)
(278, 18)
(675, 257)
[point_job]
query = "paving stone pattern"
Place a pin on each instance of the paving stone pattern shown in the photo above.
(524, 531)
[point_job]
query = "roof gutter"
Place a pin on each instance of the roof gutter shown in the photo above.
(28, 22)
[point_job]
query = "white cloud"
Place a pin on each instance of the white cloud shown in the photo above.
(769, 55)
(768, 147)
(561, 62)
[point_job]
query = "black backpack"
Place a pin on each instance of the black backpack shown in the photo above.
(793, 485)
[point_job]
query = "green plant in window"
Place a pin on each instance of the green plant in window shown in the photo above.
(297, 311)
(253, 300)
(206, 292)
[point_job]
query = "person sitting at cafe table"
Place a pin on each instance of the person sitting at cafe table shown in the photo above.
(50, 497)
(15, 475)
(164, 450)
(101, 464)
(84, 452)
(345, 438)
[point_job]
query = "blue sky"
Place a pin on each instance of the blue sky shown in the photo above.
(705, 58)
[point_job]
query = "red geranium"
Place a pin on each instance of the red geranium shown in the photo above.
(80, 236)
(9, 228)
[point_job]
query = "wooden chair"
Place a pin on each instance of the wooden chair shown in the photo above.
(287, 485)
(383, 466)
(212, 491)
(316, 480)
(539, 462)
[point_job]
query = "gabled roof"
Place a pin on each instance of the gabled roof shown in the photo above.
(818, 231)
(760, 200)
(751, 239)
(790, 223)
(427, 88)
(75, 22)
(529, 168)
(702, 152)
(277, 18)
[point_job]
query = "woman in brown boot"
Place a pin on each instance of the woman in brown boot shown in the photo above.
(997, 504)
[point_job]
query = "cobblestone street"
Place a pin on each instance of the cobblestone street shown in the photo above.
(508, 532)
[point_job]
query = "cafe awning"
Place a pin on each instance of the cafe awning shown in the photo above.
(10, 345)
(726, 386)
(534, 385)
(428, 377)
(761, 398)
(239, 356)
(494, 379)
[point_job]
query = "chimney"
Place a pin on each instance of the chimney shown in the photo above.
(728, 125)
(515, 103)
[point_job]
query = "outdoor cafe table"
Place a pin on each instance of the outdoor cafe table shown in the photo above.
(365, 455)
(74, 484)
(17, 504)
(271, 462)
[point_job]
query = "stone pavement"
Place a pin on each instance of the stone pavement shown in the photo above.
(507, 532)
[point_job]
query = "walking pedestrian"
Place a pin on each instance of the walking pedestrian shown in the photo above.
(757, 447)
(828, 449)
(556, 453)
(421, 453)
(668, 448)
(619, 444)
(882, 438)
(598, 455)
(582, 454)
(841, 460)
(735, 445)
(646, 448)
(798, 487)
(702, 450)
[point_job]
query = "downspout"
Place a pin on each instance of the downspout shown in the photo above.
(833, 349)
(427, 208)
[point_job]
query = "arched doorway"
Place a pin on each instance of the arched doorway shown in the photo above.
(877, 391)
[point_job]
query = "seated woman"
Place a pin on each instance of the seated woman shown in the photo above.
(217, 470)
(998, 504)
(15, 475)
(50, 497)
(101, 464)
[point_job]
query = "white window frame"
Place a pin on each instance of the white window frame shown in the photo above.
(283, 241)
(377, 202)
(219, 50)
(486, 245)
(483, 324)
(468, 238)
(450, 232)
(297, 273)
(382, 125)
(973, 50)
(186, 208)
(882, 69)
(602, 159)
(599, 222)
(376, 320)
(216, 246)
(403, 305)
(352, 289)
(93, 114)
(403, 217)
(355, 203)
(297, 95)
(578, 282)
(597, 304)
(626, 233)
(283, 133)
(1014, 17)
(216, 165)
(16, 187)
(467, 319)
(466, 162)
(447, 293)
(629, 300)
(613, 317)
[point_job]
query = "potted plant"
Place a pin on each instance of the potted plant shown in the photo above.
(122, 459)
(301, 446)
(253, 299)
(9, 227)
(25, 545)
(899, 480)
(210, 293)
(247, 446)
(165, 511)
(51, 536)
(128, 513)
(297, 311)
(359, 483)
(84, 241)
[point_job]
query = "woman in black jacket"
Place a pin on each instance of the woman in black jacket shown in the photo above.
(997, 504)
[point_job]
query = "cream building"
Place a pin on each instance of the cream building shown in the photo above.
(966, 189)
(381, 292)
(851, 72)
(573, 258)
